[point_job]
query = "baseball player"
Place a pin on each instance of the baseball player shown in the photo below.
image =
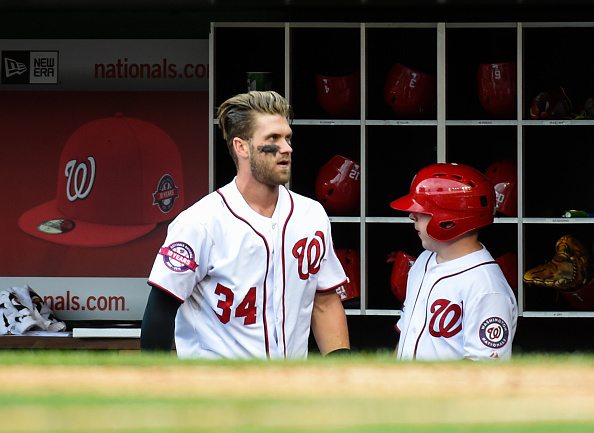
(458, 303)
(250, 269)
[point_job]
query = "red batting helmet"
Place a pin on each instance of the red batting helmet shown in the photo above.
(509, 266)
(581, 299)
(339, 96)
(409, 93)
(351, 263)
(399, 277)
(504, 177)
(497, 88)
(338, 186)
(453, 193)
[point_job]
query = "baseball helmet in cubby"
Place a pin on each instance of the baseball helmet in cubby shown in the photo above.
(338, 186)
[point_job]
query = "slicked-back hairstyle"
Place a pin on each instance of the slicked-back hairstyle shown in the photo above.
(237, 115)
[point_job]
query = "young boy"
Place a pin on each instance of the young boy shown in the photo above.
(458, 303)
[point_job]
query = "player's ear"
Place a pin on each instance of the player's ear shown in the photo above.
(241, 147)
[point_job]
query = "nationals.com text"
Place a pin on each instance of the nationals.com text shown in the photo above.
(123, 69)
(90, 303)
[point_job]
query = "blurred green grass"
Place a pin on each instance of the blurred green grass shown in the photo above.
(473, 428)
(131, 358)
(54, 408)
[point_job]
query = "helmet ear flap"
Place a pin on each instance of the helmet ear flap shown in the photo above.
(439, 230)
(329, 192)
(434, 229)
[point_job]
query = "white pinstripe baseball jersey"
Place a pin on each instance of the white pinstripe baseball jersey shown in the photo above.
(247, 281)
(462, 308)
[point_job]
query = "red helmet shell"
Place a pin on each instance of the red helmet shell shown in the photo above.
(504, 177)
(509, 266)
(338, 186)
(351, 263)
(581, 299)
(399, 277)
(450, 193)
(497, 88)
(409, 93)
(340, 96)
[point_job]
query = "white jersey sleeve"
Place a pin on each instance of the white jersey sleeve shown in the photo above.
(181, 261)
(489, 326)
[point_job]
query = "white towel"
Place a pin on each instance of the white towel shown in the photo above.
(23, 310)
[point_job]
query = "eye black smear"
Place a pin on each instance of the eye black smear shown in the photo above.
(269, 148)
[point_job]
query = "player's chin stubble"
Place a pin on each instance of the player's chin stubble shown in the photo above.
(265, 172)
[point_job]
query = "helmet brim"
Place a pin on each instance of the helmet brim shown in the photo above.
(407, 204)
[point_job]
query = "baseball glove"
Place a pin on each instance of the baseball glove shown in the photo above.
(568, 270)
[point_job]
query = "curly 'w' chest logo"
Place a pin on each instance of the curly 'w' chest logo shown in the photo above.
(446, 319)
(309, 254)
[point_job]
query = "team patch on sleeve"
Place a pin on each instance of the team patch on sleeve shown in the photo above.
(179, 257)
(494, 332)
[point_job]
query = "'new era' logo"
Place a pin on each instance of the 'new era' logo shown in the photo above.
(12, 67)
(29, 67)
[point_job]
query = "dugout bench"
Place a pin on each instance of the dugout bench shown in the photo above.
(77, 339)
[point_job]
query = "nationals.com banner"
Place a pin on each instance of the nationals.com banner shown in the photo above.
(105, 64)
(102, 143)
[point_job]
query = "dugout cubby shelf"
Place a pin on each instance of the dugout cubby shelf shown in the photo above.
(555, 158)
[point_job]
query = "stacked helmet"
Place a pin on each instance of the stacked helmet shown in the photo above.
(450, 193)
(402, 263)
(339, 96)
(504, 177)
(338, 186)
(508, 263)
(581, 299)
(497, 88)
(351, 263)
(409, 93)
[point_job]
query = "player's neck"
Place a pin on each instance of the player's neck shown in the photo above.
(458, 248)
(260, 197)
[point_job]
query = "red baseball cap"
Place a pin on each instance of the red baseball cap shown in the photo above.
(118, 178)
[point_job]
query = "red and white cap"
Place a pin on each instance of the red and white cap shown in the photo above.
(118, 178)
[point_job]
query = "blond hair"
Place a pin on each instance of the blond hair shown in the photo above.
(237, 115)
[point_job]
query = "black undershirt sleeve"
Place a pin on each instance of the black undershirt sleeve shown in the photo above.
(158, 323)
